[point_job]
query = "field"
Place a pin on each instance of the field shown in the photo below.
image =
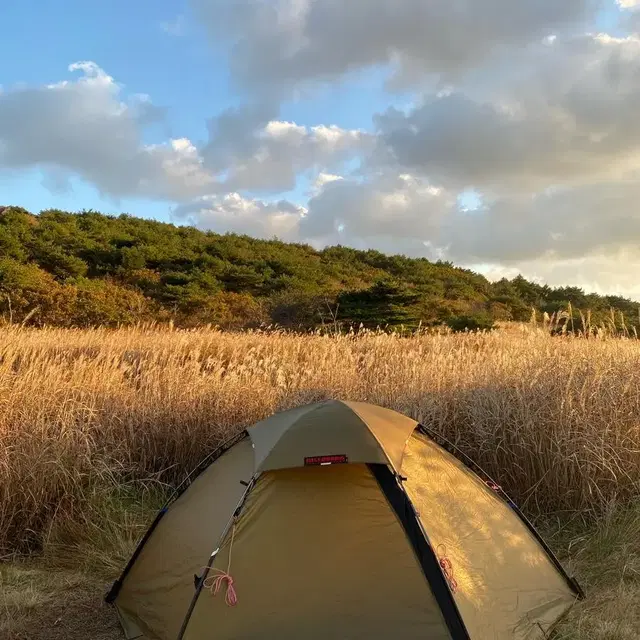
(96, 425)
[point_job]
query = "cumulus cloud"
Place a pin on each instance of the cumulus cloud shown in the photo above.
(84, 127)
(423, 219)
(272, 157)
(388, 212)
(560, 224)
(233, 213)
(404, 209)
(280, 44)
(628, 4)
(182, 168)
(566, 116)
(323, 179)
(385, 212)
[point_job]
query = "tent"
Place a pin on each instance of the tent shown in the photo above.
(341, 520)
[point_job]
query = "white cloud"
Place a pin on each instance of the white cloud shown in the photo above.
(400, 208)
(386, 212)
(565, 114)
(183, 169)
(84, 127)
(563, 224)
(585, 236)
(322, 179)
(281, 44)
(628, 4)
(235, 214)
(594, 221)
(272, 156)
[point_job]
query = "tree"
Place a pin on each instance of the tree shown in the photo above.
(29, 294)
(479, 322)
(63, 268)
(385, 303)
(105, 303)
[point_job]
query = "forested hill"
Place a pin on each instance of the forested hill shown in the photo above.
(84, 269)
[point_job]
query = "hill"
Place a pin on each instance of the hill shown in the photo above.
(84, 269)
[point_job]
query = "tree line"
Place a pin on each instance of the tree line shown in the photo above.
(86, 269)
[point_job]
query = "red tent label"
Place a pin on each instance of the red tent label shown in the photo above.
(324, 460)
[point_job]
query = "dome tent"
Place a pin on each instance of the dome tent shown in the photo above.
(346, 520)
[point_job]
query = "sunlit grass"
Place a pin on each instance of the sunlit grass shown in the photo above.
(96, 425)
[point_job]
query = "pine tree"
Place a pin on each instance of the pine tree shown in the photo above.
(385, 304)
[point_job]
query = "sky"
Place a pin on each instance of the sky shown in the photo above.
(501, 135)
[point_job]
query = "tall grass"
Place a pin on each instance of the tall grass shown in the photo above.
(82, 413)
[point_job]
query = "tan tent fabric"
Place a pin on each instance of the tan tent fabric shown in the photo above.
(318, 553)
(157, 591)
(362, 432)
(391, 429)
(508, 587)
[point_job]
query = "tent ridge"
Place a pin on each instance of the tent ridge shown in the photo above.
(364, 423)
(359, 431)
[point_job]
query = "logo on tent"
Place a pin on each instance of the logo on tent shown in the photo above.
(322, 460)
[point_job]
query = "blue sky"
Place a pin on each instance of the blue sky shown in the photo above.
(135, 50)
(159, 48)
(156, 48)
(503, 149)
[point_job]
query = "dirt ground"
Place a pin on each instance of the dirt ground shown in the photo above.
(40, 604)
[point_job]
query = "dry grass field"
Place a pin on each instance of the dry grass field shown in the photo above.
(95, 426)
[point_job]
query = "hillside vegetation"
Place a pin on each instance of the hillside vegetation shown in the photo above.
(96, 425)
(88, 269)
